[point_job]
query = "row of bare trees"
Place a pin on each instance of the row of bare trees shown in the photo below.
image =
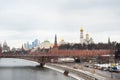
(88, 46)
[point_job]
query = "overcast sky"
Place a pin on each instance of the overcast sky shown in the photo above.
(26, 20)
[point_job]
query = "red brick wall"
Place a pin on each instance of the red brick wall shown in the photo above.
(83, 52)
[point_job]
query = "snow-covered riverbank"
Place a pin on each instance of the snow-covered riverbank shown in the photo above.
(62, 71)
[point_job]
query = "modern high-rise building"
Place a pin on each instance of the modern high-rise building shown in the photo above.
(35, 43)
(27, 45)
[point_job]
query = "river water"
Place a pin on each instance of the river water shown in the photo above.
(19, 69)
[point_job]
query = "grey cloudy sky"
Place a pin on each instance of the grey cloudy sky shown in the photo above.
(26, 20)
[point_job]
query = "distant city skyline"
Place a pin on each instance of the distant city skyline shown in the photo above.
(27, 20)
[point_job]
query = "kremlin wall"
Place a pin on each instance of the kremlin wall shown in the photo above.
(86, 47)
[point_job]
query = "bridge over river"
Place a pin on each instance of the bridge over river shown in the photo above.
(44, 57)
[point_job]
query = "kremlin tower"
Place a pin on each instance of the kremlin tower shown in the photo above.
(55, 43)
(55, 46)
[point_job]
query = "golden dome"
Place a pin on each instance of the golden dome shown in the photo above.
(87, 34)
(81, 29)
(62, 39)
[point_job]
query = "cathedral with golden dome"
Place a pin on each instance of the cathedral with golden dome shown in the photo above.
(62, 42)
(87, 40)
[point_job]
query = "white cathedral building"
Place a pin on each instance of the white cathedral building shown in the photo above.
(87, 40)
(5, 47)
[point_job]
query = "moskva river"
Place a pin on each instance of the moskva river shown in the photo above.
(19, 69)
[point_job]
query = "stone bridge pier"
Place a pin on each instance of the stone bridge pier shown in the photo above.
(44, 59)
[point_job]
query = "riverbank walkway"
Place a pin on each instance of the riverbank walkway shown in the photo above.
(82, 72)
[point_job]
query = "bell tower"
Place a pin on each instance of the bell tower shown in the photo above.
(81, 36)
